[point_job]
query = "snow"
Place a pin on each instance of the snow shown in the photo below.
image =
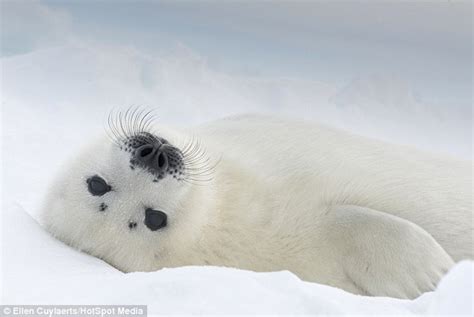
(56, 93)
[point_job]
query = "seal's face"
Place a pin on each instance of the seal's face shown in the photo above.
(120, 200)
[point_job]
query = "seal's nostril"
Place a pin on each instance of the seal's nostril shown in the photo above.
(132, 225)
(145, 150)
(162, 160)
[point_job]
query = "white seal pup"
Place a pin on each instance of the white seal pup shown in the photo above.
(266, 194)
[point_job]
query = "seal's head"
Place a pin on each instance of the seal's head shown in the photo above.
(121, 198)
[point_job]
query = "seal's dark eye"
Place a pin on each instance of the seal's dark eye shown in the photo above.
(97, 186)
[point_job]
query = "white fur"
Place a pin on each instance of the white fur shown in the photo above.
(332, 207)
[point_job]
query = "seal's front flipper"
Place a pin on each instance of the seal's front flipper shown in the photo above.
(383, 255)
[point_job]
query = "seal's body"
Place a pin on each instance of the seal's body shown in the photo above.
(267, 194)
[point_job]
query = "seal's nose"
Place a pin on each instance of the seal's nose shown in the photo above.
(155, 219)
(151, 156)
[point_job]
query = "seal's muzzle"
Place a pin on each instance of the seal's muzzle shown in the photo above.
(153, 157)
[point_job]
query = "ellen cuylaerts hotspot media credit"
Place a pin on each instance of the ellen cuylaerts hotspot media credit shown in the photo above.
(74, 310)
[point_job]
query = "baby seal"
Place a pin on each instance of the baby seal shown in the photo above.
(266, 194)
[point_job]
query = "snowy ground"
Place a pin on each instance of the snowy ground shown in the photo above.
(57, 93)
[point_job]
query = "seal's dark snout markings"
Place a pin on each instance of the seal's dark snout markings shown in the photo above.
(188, 163)
(153, 157)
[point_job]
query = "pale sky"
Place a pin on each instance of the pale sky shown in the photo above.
(427, 43)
